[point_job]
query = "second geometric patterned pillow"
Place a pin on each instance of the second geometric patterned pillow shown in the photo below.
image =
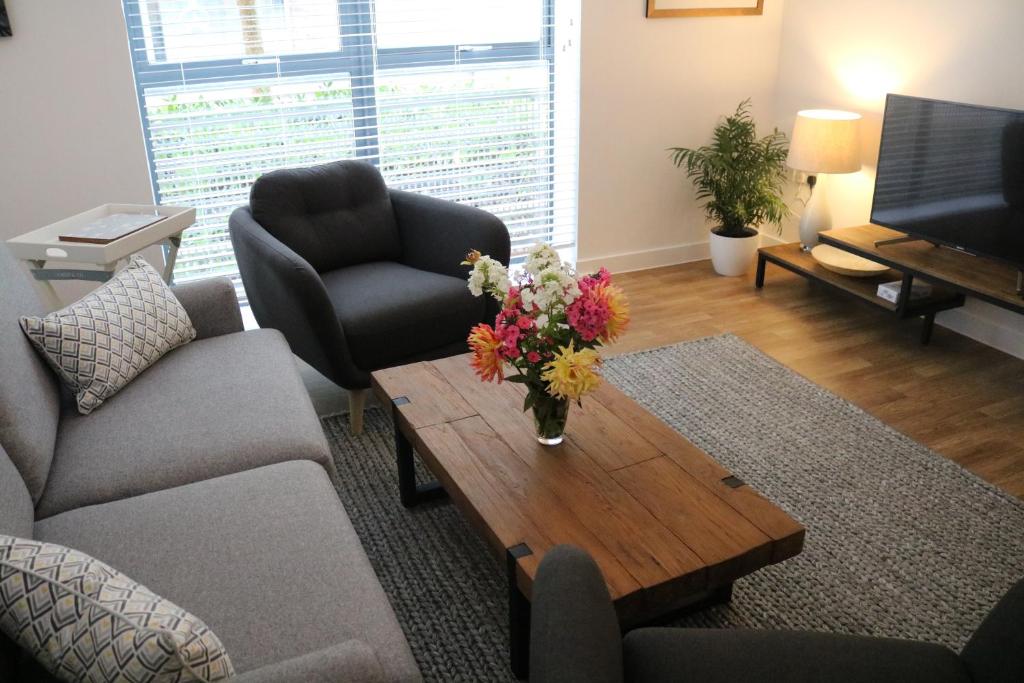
(82, 620)
(104, 340)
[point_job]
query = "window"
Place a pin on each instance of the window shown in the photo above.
(470, 100)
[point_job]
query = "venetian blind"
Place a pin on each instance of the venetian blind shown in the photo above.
(470, 100)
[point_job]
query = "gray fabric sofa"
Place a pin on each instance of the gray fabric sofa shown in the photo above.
(207, 479)
(575, 638)
(358, 276)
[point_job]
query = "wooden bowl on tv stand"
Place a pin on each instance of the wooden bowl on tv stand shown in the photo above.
(845, 263)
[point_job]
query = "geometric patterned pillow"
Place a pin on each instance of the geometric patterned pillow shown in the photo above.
(104, 340)
(84, 621)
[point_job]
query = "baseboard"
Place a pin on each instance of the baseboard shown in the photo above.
(647, 258)
(768, 240)
(992, 333)
(657, 258)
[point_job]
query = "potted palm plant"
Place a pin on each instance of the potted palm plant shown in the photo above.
(740, 179)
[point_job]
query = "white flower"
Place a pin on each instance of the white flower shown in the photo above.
(554, 287)
(541, 257)
(476, 282)
(489, 276)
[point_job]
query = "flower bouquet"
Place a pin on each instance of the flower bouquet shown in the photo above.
(552, 322)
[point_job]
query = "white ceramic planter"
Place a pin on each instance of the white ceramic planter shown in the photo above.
(733, 256)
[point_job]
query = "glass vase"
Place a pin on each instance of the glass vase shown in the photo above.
(549, 416)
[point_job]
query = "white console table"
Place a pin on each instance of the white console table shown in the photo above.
(50, 259)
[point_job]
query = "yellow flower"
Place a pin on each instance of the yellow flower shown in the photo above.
(571, 373)
(618, 308)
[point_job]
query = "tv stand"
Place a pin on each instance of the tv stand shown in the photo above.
(987, 279)
(953, 274)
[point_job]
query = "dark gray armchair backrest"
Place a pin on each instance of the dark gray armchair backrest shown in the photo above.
(334, 215)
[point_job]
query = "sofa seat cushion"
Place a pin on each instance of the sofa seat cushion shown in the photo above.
(656, 655)
(390, 312)
(209, 408)
(267, 558)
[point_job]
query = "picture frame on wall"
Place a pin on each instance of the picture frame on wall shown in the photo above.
(5, 21)
(663, 9)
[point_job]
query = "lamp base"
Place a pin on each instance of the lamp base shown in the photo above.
(816, 216)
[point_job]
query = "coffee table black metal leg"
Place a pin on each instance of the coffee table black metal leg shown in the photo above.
(720, 596)
(518, 615)
(409, 491)
(759, 278)
(927, 327)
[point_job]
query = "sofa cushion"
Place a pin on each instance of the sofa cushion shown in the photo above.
(103, 341)
(212, 407)
(333, 215)
(16, 509)
(29, 393)
(84, 620)
(664, 655)
(352, 662)
(389, 311)
(267, 557)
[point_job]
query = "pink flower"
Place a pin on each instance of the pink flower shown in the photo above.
(589, 314)
(509, 333)
(524, 322)
(533, 357)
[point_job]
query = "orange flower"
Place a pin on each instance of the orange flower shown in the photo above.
(486, 360)
(618, 308)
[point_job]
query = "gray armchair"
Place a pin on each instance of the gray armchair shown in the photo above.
(575, 638)
(359, 277)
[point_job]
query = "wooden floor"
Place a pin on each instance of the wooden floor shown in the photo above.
(960, 398)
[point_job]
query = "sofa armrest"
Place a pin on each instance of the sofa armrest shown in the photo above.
(287, 294)
(574, 631)
(212, 306)
(352, 661)
(995, 653)
(437, 234)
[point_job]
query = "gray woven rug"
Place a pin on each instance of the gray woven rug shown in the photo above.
(901, 541)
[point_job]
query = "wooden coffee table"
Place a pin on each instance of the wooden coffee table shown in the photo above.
(670, 527)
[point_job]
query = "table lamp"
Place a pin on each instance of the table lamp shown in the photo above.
(824, 141)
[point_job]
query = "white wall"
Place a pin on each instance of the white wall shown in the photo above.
(72, 138)
(650, 84)
(847, 55)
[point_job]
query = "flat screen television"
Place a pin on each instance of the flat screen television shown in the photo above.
(953, 174)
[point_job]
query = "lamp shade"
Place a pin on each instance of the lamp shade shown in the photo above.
(825, 141)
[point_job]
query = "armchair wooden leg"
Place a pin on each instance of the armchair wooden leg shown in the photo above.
(356, 403)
